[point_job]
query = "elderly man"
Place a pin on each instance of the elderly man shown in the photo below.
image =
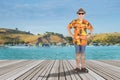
(80, 37)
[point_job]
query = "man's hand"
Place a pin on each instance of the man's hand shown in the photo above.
(89, 34)
(81, 37)
(72, 36)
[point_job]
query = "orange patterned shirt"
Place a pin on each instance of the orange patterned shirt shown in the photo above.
(80, 31)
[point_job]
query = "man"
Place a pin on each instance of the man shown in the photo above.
(80, 37)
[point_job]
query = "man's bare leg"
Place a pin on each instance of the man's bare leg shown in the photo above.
(77, 69)
(83, 60)
(78, 60)
(83, 67)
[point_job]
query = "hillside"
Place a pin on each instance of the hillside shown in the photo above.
(13, 31)
(15, 36)
(11, 36)
(106, 38)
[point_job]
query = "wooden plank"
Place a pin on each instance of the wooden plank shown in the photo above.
(35, 72)
(88, 76)
(112, 70)
(42, 70)
(96, 76)
(22, 70)
(61, 71)
(31, 71)
(112, 62)
(67, 73)
(53, 75)
(47, 72)
(81, 75)
(72, 73)
(91, 75)
(11, 67)
(58, 70)
(99, 70)
(17, 72)
(3, 60)
(111, 67)
(9, 62)
(72, 67)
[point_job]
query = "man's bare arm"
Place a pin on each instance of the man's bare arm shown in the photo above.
(70, 33)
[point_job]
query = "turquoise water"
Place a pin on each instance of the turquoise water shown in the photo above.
(94, 53)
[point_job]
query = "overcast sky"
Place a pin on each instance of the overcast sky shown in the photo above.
(39, 16)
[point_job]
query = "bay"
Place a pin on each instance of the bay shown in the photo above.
(58, 53)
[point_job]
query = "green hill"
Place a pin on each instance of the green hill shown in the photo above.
(13, 31)
(106, 38)
(11, 36)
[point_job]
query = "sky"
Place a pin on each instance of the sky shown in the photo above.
(40, 16)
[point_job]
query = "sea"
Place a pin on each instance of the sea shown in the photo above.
(58, 53)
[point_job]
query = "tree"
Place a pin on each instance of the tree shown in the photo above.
(16, 29)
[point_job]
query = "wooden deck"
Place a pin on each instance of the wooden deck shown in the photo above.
(58, 70)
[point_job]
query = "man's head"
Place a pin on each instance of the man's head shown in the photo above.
(81, 13)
